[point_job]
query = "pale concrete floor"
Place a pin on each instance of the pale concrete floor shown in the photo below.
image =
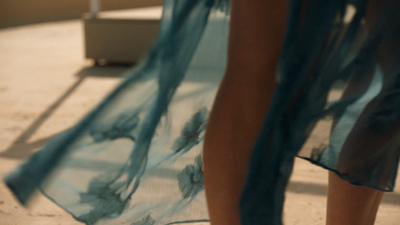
(46, 86)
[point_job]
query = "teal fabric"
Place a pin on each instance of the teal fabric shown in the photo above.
(136, 158)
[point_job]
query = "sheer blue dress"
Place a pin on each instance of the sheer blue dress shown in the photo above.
(136, 158)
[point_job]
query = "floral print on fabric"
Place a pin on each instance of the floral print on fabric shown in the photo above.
(191, 179)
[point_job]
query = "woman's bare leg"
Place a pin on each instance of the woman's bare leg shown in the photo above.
(256, 38)
(349, 204)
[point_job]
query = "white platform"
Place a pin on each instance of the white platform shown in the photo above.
(121, 35)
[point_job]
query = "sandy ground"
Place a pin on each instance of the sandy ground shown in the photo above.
(46, 86)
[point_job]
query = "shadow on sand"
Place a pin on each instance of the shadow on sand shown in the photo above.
(21, 148)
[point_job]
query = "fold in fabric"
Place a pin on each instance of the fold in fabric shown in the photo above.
(136, 158)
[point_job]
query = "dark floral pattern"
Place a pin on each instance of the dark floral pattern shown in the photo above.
(106, 201)
(145, 221)
(190, 180)
(120, 128)
(190, 135)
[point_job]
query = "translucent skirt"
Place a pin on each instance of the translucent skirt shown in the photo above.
(137, 157)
